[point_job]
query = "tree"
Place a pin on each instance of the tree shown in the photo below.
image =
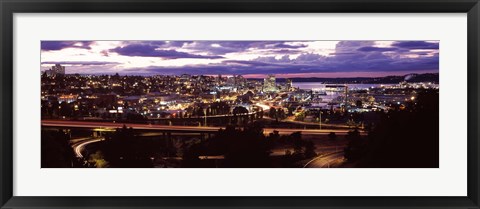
(239, 110)
(272, 112)
(281, 114)
(55, 150)
(98, 160)
(239, 113)
(358, 103)
(356, 146)
(298, 144)
(300, 116)
(407, 138)
(220, 108)
(124, 149)
(332, 136)
(390, 142)
(66, 109)
(190, 157)
(310, 149)
(247, 148)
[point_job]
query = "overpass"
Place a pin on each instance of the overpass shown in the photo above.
(108, 126)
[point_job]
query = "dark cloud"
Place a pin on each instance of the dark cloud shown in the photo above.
(59, 45)
(249, 63)
(416, 45)
(308, 63)
(377, 49)
(160, 44)
(147, 50)
(284, 51)
(224, 47)
(349, 57)
(85, 63)
(153, 43)
(352, 46)
(177, 43)
(287, 46)
(310, 57)
(272, 59)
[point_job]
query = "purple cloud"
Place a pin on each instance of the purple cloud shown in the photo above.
(85, 63)
(306, 63)
(349, 57)
(287, 46)
(377, 49)
(59, 45)
(146, 50)
(416, 45)
(224, 47)
(285, 51)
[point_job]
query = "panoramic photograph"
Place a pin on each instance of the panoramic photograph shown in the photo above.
(240, 104)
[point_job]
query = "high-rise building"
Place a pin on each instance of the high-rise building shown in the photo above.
(240, 80)
(185, 78)
(269, 84)
(288, 85)
(57, 69)
(236, 81)
(218, 80)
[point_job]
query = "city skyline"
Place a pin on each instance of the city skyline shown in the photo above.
(252, 59)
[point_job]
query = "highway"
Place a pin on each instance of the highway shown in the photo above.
(279, 151)
(324, 125)
(326, 160)
(79, 145)
(110, 125)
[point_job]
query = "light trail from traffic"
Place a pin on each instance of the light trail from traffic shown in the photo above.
(78, 147)
(88, 124)
(325, 161)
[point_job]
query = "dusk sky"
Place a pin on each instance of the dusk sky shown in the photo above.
(252, 59)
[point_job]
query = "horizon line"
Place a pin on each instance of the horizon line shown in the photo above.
(248, 75)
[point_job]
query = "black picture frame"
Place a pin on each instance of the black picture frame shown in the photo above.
(10, 7)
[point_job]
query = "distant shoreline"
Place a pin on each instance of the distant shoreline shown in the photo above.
(425, 77)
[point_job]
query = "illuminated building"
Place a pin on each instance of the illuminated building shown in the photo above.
(288, 85)
(56, 70)
(67, 98)
(219, 79)
(269, 84)
(236, 81)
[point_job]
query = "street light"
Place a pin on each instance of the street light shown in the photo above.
(320, 118)
(205, 116)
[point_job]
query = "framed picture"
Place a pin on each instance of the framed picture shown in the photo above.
(235, 104)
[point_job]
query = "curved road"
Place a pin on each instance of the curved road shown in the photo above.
(326, 161)
(79, 146)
